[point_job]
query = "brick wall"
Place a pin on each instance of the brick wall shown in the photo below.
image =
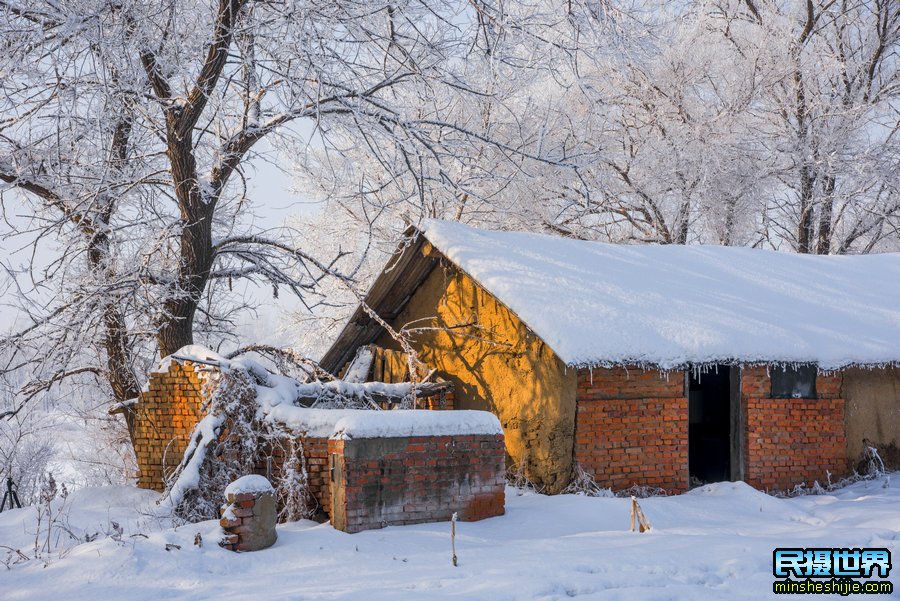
(391, 481)
(631, 427)
(789, 441)
(166, 413)
(315, 450)
(443, 401)
(410, 480)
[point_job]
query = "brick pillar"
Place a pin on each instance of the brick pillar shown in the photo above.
(248, 516)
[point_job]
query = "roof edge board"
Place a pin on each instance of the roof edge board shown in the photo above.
(357, 331)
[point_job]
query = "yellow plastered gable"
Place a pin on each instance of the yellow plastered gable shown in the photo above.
(496, 364)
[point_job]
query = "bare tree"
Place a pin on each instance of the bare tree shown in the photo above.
(126, 128)
(827, 86)
(720, 121)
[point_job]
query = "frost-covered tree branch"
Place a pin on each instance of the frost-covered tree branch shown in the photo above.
(125, 135)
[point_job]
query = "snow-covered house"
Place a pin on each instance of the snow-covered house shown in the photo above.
(650, 365)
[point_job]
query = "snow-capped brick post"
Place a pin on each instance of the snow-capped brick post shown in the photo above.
(249, 516)
(419, 466)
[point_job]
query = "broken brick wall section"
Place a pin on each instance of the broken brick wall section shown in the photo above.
(171, 405)
(167, 411)
(421, 479)
(165, 415)
(410, 480)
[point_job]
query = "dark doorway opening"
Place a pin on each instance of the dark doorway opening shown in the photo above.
(710, 424)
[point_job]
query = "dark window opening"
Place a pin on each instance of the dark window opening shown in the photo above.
(709, 424)
(793, 382)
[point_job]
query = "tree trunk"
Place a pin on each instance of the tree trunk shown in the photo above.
(197, 205)
(727, 237)
(682, 227)
(823, 244)
(805, 221)
(196, 251)
(196, 247)
(119, 360)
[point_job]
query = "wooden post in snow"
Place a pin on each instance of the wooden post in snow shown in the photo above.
(637, 512)
(453, 537)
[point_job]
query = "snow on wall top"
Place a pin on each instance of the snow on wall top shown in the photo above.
(360, 423)
(603, 304)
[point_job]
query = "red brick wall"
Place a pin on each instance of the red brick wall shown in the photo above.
(316, 452)
(412, 480)
(423, 479)
(789, 441)
(631, 427)
(166, 413)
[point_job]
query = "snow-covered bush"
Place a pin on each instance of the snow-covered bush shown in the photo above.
(643, 492)
(295, 502)
(255, 420)
(873, 469)
(224, 445)
(583, 484)
(26, 450)
(874, 463)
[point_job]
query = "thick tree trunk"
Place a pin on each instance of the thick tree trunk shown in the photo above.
(196, 247)
(197, 205)
(196, 252)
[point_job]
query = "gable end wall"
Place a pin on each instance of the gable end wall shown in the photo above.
(496, 364)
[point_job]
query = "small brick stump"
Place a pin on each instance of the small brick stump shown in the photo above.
(248, 516)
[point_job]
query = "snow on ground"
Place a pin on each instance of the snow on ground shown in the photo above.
(671, 305)
(715, 542)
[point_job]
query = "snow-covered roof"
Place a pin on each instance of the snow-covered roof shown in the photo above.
(669, 306)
